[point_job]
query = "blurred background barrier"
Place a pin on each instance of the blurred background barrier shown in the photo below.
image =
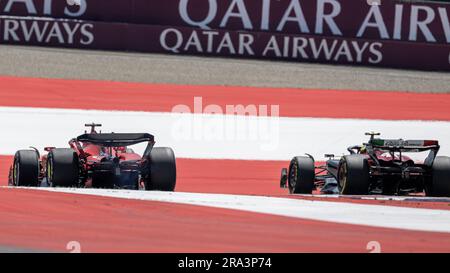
(394, 33)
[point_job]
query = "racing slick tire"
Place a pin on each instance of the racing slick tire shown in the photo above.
(26, 169)
(353, 175)
(440, 186)
(301, 175)
(63, 168)
(163, 171)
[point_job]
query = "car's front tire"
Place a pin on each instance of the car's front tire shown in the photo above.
(440, 186)
(163, 171)
(301, 175)
(26, 169)
(63, 168)
(353, 175)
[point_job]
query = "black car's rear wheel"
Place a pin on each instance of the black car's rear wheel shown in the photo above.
(353, 175)
(301, 175)
(163, 171)
(63, 168)
(440, 185)
(26, 169)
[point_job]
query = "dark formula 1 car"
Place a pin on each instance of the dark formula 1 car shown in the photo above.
(97, 160)
(380, 166)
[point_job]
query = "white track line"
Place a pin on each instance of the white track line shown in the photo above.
(410, 198)
(203, 136)
(337, 212)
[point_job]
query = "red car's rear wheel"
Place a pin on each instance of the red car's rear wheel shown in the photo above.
(163, 172)
(440, 185)
(25, 171)
(63, 168)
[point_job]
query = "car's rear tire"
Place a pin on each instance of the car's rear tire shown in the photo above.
(440, 186)
(163, 171)
(63, 168)
(301, 175)
(26, 169)
(353, 175)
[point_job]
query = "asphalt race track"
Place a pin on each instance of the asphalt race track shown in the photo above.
(227, 197)
(154, 68)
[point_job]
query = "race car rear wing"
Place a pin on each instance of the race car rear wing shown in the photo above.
(405, 145)
(116, 140)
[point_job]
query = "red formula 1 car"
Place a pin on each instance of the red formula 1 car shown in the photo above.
(381, 166)
(97, 160)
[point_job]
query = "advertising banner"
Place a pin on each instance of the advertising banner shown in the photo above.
(188, 40)
(362, 19)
